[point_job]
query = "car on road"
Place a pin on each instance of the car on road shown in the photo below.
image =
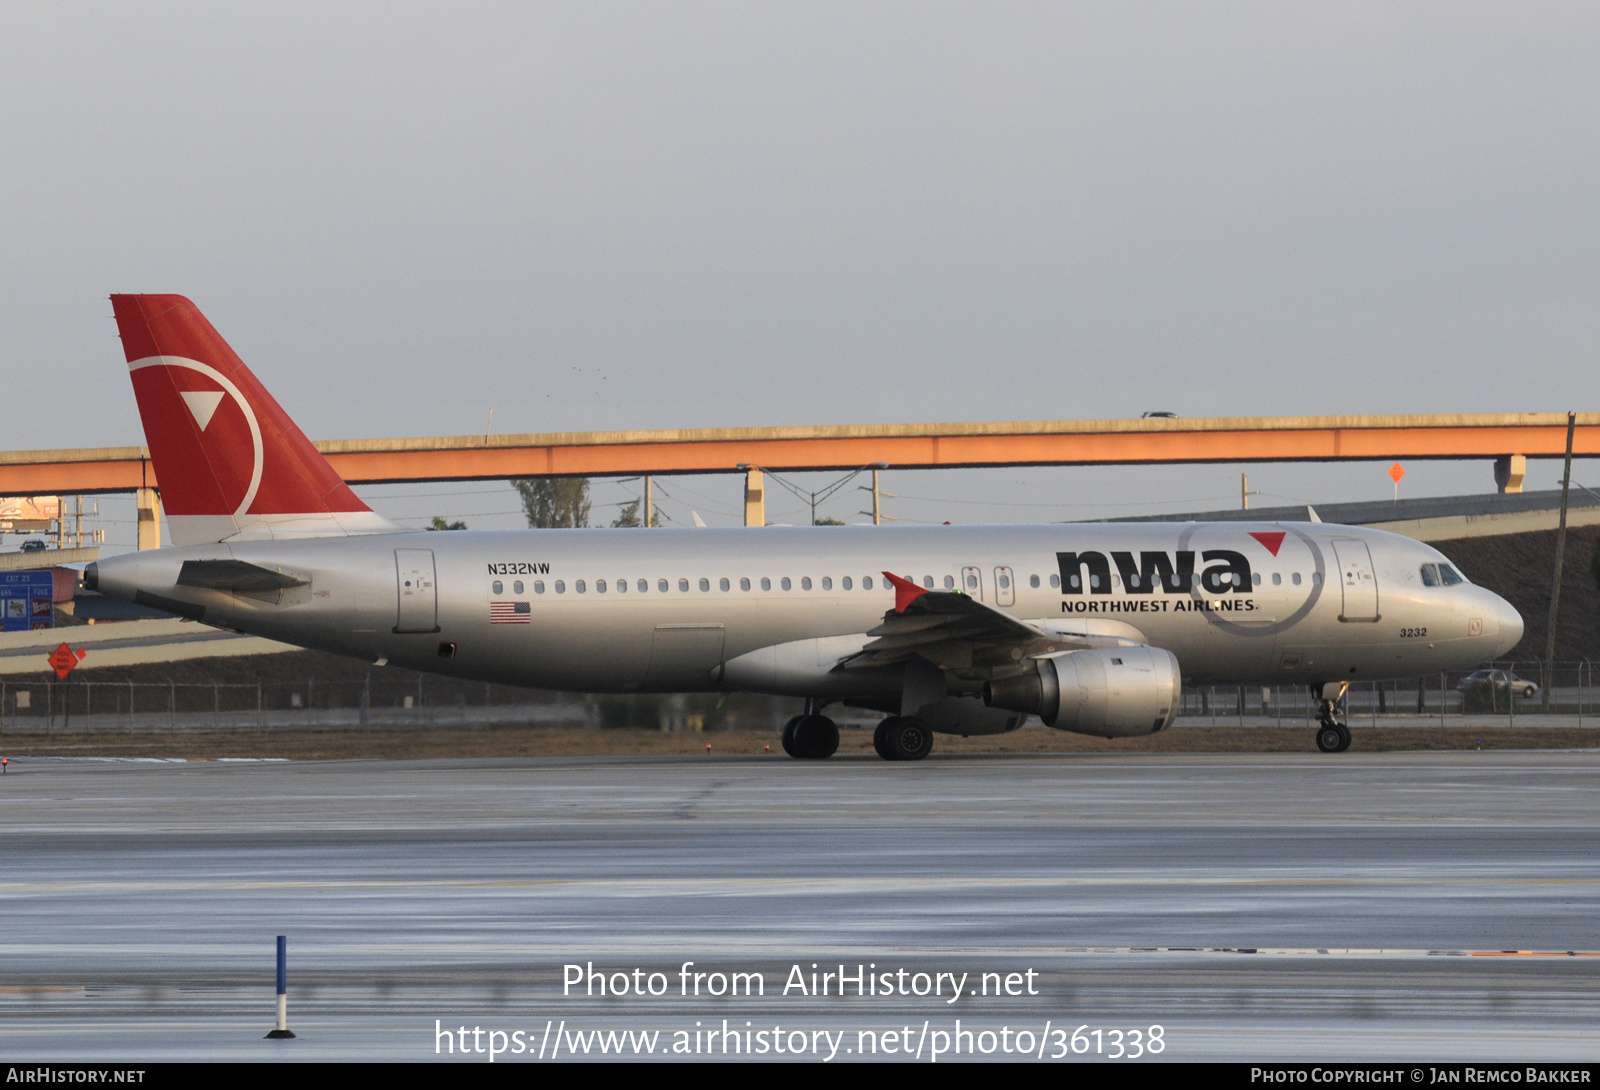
(35, 546)
(1501, 680)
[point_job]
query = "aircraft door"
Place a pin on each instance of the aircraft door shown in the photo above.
(1357, 579)
(972, 583)
(417, 590)
(1005, 587)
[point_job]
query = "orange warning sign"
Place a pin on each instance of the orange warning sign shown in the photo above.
(1396, 472)
(64, 658)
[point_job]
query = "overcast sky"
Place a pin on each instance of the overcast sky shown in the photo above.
(592, 216)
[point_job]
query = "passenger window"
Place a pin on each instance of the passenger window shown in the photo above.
(561, 587)
(766, 584)
(845, 582)
(498, 587)
(1316, 578)
(1055, 581)
(785, 584)
(1255, 577)
(622, 586)
(705, 584)
(1033, 581)
(579, 587)
(866, 582)
(827, 582)
(805, 583)
(1094, 581)
(927, 581)
(723, 583)
(744, 583)
(1077, 581)
(517, 586)
(661, 585)
(1449, 576)
(1430, 575)
(538, 586)
(1295, 579)
(1277, 579)
(949, 582)
(972, 582)
(599, 586)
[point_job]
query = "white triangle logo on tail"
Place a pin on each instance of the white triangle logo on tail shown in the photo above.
(202, 404)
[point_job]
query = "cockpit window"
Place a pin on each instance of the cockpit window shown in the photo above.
(1449, 576)
(1430, 575)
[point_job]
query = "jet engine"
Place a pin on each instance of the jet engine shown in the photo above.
(1114, 692)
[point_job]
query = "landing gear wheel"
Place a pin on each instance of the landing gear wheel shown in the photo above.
(1332, 738)
(1344, 738)
(880, 740)
(815, 737)
(905, 738)
(788, 736)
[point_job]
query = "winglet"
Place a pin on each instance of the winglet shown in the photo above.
(905, 591)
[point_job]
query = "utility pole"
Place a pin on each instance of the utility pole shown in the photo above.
(1555, 580)
(648, 501)
(1244, 492)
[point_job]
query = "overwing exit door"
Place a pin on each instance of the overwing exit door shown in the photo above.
(415, 587)
(972, 583)
(1357, 580)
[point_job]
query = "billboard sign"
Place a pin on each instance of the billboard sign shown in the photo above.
(28, 514)
(27, 601)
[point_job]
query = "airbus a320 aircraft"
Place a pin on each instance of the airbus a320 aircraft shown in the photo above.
(971, 630)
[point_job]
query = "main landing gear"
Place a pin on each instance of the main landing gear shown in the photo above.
(902, 738)
(1332, 734)
(812, 736)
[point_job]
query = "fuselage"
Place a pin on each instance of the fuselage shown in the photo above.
(681, 610)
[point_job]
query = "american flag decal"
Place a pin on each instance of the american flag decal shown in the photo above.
(509, 613)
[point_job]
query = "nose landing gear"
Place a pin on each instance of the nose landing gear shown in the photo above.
(1333, 736)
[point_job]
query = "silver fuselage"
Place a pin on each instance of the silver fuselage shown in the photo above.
(548, 608)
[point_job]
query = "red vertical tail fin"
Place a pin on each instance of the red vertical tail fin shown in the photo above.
(229, 462)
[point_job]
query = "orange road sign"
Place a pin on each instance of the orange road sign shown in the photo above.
(64, 658)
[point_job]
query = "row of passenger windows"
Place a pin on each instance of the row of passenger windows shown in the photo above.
(621, 586)
(948, 582)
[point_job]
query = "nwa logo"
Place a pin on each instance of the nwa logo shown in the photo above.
(1221, 571)
(1171, 573)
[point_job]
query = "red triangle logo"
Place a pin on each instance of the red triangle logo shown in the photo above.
(1271, 542)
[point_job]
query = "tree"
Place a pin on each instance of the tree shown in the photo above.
(440, 524)
(827, 522)
(554, 502)
(629, 515)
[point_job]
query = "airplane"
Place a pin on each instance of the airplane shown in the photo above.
(972, 630)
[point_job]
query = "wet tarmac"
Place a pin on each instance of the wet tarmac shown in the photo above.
(1358, 906)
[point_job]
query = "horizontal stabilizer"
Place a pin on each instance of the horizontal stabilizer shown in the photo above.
(235, 575)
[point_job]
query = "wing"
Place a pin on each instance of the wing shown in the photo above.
(962, 635)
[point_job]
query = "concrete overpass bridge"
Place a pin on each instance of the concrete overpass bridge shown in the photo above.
(1506, 440)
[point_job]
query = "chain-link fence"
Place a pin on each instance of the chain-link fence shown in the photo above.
(1505, 694)
(1501, 694)
(377, 703)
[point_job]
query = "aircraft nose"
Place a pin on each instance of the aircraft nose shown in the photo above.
(1510, 626)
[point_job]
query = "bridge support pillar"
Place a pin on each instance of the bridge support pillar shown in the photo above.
(755, 502)
(1509, 469)
(148, 501)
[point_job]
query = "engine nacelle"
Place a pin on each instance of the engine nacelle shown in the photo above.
(1115, 692)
